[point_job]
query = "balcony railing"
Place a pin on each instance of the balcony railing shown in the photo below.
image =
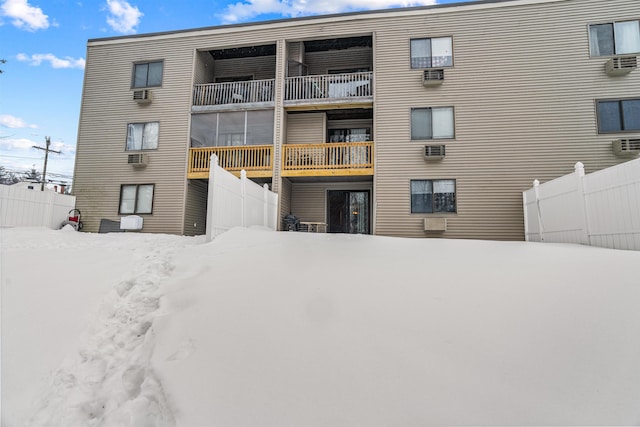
(329, 86)
(255, 159)
(252, 91)
(329, 159)
(342, 158)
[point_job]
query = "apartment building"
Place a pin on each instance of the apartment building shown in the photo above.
(415, 122)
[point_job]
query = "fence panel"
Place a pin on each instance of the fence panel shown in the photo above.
(599, 209)
(612, 200)
(20, 207)
(237, 202)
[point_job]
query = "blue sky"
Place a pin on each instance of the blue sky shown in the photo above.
(44, 43)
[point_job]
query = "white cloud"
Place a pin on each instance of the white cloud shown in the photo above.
(122, 16)
(243, 11)
(12, 122)
(16, 143)
(24, 15)
(38, 58)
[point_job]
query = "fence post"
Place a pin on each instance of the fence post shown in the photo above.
(243, 191)
(586, 239)
(265, 204)
(536, 190)
(213, 170)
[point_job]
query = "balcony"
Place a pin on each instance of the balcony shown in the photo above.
(329, 159)
(256, 160)
(329, 89)
(253, 92)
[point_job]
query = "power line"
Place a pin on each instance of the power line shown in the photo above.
(21, 157)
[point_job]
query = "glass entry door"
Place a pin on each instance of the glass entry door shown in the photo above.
(348, 211)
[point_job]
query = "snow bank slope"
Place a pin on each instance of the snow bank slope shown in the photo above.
(291, 329)
(75, 318)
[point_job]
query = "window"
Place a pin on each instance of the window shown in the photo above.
(232, 128)
(618, 116)
(142, 136)
(433, 195)
(615, 39)
(350, 135)
(429, 53)
(148, 74)
(431, 123)
(136, 198)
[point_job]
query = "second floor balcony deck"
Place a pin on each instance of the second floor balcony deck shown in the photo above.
(303, 90)
(327, 159)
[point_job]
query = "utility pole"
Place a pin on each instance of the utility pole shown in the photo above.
(46, 157)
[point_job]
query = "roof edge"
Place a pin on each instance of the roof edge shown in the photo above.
(366, 13)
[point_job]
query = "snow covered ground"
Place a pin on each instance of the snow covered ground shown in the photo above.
(259, 328)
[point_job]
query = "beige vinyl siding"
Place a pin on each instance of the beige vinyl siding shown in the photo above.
(323, 62)
(204, 68)
(260, 67)
(279, 116)
(306, 128)
(295, 52)
(309, 200)
(284, 197)
(523, 88)
(196, 208)
(107, 108)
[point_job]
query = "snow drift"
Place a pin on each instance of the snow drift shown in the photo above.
(266, 328)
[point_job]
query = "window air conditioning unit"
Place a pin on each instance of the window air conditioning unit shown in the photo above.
(435, 224)
(626, 147)
(138, 159)
(620, 65)
(434, 152)
(143, 96)
(433, 77)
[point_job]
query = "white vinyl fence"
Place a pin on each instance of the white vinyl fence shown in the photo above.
(599, 209)
(234, 202)
(21, 207)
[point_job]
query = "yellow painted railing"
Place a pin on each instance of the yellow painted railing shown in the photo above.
(341, 158)
(255, 159)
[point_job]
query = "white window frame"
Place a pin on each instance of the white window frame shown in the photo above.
(452, 125)
(434, 182)
(146, 143)
(137, 208)
(146, 80)
(431, 52)
(616, 40)
(621, 113)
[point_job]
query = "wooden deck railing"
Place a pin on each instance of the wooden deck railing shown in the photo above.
(251, 91)
(255, 159)
(329, 159)
(329, 86)
(348, 158)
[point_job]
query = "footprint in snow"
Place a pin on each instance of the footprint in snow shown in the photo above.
(185, 348)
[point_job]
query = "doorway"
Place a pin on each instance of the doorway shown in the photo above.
(348, 211)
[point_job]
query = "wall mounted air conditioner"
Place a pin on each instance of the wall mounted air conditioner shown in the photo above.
(143, 96)
(140, 159)
(620, 65)
(433, 77)
(434, 152)
(626, 147)
(435, 224)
